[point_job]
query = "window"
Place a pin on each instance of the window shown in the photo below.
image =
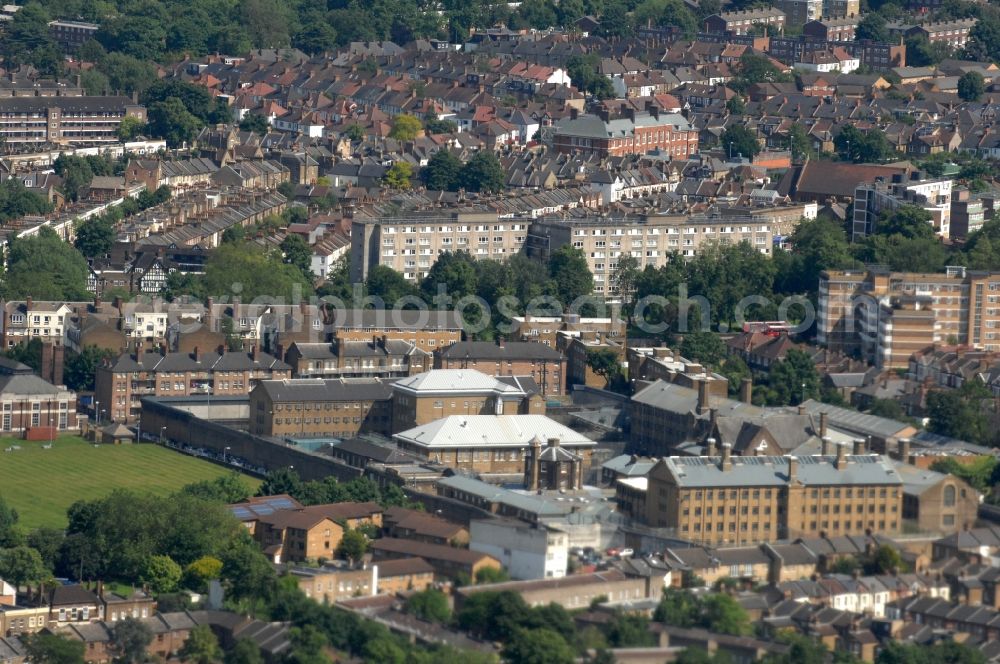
(949, 496)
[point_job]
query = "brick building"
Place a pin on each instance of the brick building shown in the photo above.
(743, 21)
(123, 381)
(886, 316)
(379, 357)
(427, 397)
(295, 535)
(447, 561)
(544, 365)
(634, 133)
(318, 408)
(832, 29)
(66, 120)
(492, 444)
(329, 584)
(743, 499)
(28, 403)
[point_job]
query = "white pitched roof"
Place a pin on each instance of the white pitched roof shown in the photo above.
(491, 431)
(456, 380)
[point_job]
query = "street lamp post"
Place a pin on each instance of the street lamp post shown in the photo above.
(163, 431)
(225, 455)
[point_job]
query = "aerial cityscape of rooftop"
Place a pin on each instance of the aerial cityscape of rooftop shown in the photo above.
(531, 332)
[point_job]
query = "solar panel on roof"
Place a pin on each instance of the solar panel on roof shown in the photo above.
(241, 513)
(263, 510)
(282, 503)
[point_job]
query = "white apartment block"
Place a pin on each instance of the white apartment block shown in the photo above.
(526, 551)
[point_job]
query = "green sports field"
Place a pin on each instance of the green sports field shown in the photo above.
(40, 484)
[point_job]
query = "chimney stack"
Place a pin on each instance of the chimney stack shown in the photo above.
(727, 456)
(859, 446)
(841, 456)
(801, 409)
(536, 451)
(793, 467)
(710, 449)
(822, 424)
(903, 446)
(825, 446)
(746, 390)
(702, 396)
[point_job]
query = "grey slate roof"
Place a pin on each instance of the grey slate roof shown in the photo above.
(773, 471)
(318, 389)
(487, 350)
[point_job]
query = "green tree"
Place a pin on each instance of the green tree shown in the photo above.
(442, 171)
(129, 640)
(353, 545)
(704, 347)
(130, 127)
(48, 648)
(297, 252)
(793, 380)
(201, 646)
(863, 147)
(391, 286)
(538, 646)
(9, 535)
(46, 541)
(76, 175)
(200, 572)
(958, 413)
(127, 74)
(405, 127)
(162, 574)
(584, 73)
(885, 561)
(482, 173)
(615, 21)
(872, 26)
(723, 615)
(171, 121)
(22, 565)
(799, 142)
(46, 268)
(624, 279)
(605, 363)
(979, 474)
(256, 123)
(280, 481)
(16, 201)
(399, 175)
(737, 140)
(229, 488)
(971, 86)
(95, 237)
(258, 272)
(27, 40)
(27, 353)
(81, 367)
(736, 106)
(244, 651)
(316, 37)
(430, 605)
(569, 272)
(677, 607)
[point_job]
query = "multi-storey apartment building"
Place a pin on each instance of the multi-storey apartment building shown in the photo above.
(839, 29)
(747, 499)
(441, 393)
(953, 33)
(26, 320)
(634, 133)
(872, 199)
(546, 366)
(71, 35)
(886, 316)
(743, 21)
(967, 213)
(411, 245)
(799, 12)
(381, 357)
(317, 408)
(545, 329)
(121, 383)
(837, 8)
(426, 330)
(65, 120)
(649, 239)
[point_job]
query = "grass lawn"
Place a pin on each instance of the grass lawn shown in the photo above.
(40, 484)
